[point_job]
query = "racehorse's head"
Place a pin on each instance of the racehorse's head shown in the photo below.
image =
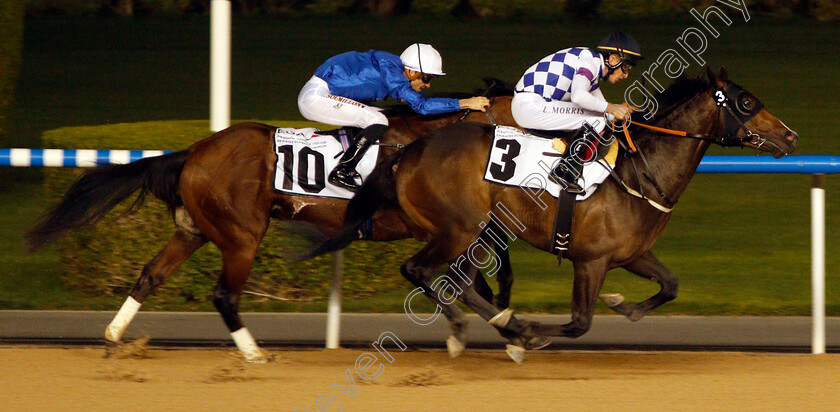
(744, 121)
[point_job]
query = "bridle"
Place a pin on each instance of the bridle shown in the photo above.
(728, 121)
(735, 108)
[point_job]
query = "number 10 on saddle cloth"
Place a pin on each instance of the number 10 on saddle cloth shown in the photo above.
(305, 158)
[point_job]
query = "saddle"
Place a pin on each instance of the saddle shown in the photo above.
(565, 137)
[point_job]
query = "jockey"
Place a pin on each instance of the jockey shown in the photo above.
(561, 92)
(334, 95)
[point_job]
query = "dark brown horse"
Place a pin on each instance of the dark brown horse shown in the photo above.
(220, 190)
(611, 229)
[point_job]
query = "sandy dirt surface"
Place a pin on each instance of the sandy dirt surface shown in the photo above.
(52, 379)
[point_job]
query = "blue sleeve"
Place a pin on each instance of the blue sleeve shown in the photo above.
(400, 88)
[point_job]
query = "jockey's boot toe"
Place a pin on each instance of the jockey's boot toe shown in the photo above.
(343, 179)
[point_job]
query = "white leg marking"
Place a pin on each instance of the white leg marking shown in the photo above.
(115, 330)
(454, 346)
(248, 346)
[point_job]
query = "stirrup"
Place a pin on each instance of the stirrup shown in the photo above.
(343, 179)
(572, 188)
(569, 186)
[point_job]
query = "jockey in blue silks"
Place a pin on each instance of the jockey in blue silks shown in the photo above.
(562, 92)
(334, 95)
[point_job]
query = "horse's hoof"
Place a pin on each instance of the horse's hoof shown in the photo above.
(537, 343)
(256, 356)
(517, 353)
(612, 299)
(502, 318)
(111, 348)
(454, 346)
(635, 316)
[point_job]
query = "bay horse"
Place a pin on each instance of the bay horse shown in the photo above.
(220, 190)
(611, 229)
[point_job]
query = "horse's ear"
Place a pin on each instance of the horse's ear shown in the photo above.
(722, 76)
(711, 75)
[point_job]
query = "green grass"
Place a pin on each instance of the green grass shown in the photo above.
(30, 281)
(739, 243)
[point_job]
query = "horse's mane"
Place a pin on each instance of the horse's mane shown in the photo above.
(669, 100)
(678, 92)
(495, 88)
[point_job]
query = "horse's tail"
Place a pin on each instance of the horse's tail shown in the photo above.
(378, 190)
(99, 190)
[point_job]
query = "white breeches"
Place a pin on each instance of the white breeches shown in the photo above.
(531, 111)
(316, 103)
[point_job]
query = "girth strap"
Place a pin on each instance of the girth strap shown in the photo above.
(563, 224)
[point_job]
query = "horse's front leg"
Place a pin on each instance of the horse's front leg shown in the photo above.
(649, 267)
(589, 277)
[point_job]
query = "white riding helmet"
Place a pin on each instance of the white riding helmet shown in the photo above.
(422, 58)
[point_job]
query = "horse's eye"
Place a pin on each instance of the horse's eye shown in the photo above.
(747, 103)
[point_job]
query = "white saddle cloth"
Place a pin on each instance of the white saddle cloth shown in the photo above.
(305, 159)
(518, 159)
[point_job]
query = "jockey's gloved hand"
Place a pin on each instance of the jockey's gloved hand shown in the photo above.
(479, 103)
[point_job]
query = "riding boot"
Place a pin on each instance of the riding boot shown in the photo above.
(567, 170)
(344, 174)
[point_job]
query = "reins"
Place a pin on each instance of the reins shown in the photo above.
(487, 112)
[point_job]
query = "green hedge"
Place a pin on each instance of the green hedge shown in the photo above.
(108, 257)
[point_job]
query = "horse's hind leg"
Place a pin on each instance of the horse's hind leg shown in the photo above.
(504, 278)
(458, 284)
(504, 275)
(649, 267)
(236, 266)
(182, 245)
(419, 269)
(482, 288)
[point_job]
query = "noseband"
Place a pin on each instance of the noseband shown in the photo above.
(734, 119)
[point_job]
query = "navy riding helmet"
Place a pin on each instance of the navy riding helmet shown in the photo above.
(622, 44)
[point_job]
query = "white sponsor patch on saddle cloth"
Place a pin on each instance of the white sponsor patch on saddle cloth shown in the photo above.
(518, 159)
(305, 159)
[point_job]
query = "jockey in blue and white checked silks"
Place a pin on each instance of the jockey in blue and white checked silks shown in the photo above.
(338, 91)
(562, 91)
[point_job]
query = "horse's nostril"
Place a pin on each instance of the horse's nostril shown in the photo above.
(790, 136)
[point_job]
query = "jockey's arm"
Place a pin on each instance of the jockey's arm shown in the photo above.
(594, 100)
(480, 103)
(583, 98)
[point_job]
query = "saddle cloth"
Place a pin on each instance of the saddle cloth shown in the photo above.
(305, 159)
(520, 159)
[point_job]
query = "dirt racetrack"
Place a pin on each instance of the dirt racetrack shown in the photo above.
(75, 379)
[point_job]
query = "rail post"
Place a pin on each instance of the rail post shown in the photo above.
(334, 305)
(818, 265)
(220, 19)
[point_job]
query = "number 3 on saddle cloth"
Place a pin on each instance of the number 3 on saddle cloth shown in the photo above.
(306, 156)
(517, 158)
